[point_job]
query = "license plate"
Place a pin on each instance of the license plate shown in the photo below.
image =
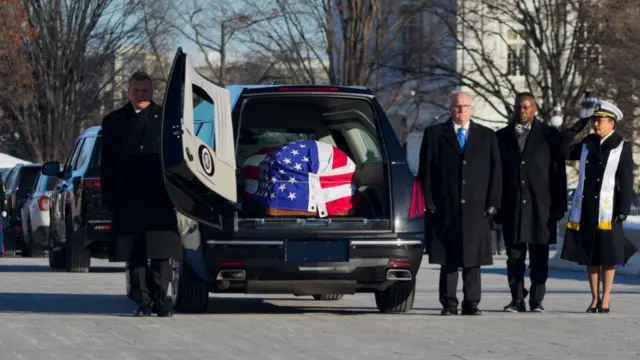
(317, 250)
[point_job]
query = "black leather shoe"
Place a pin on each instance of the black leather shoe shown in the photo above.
(142, 310)
(159, 309)
(471, 311)
(536, 307)
(515, 306)
(447, 312)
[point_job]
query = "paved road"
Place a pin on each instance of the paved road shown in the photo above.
(47, 315)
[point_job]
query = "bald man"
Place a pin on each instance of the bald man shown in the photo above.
(461, 179)
(535, 198)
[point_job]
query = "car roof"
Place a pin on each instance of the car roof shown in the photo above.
(340, 89)
(91, 131)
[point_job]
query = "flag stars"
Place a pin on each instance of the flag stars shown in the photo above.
(302, 146)
(273, 179)
(287, 161)
(283, 187)
(298, 166)
(294, 152)
(281, 171)
(292, 179)
(305, 158)
(292, 196)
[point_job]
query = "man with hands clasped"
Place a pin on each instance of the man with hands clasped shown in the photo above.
(460, 174)
(534, 199)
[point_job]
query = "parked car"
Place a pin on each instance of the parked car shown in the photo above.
(35, 216)
(79, 222)
(230, 248)
(18, 188)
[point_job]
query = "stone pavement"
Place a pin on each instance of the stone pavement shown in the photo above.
(57, 315)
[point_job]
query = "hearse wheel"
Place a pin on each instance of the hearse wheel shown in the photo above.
(57, 260)
(397, 298)
(328, 297)
(189, 293)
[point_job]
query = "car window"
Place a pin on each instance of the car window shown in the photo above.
(203, 116)
(50, 183)
(72, 156)
(37, 182)
(10, 184)
(85, 153)
(28, 176)
(372, 152)
(71, 164)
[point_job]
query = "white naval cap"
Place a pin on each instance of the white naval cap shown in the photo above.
(606, 109)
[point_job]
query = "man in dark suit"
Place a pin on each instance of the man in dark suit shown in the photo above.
(144, 222)
(461, 181)
(534, 188)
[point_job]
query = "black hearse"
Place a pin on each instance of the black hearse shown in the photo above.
(231, 247)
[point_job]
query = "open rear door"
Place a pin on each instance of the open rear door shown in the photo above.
(198, 150)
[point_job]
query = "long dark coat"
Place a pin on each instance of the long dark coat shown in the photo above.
(460, 186)
(589, 245)
(534, 185)
(133, 185)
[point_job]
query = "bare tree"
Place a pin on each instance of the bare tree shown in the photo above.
(213, 26)
(73, 63)
(550, 50)
(15, 71)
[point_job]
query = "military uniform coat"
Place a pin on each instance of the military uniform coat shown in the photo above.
(589, 245)
(133, 185)
(534, 184)
(460, 186)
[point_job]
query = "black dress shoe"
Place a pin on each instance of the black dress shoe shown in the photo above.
(536, 307)
(515, 306)
(471, 311)
(447, 312)
(142, 310)
(159, 309)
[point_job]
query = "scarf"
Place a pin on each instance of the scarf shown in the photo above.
(605, 208)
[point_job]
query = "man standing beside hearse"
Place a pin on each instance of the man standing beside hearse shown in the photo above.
(461, 180)
(144, 224)
(534, 199)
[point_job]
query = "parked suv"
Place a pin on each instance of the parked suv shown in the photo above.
(232, 246)
(80, 224)
(18, 188)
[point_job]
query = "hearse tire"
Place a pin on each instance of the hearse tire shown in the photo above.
(397, 298)
(190, 293)
(78, 260)
(328, 297)
(56, 259)
(10, 252)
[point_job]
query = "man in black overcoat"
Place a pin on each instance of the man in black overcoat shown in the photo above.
(144, 225)
(461, 180)
(534, 199)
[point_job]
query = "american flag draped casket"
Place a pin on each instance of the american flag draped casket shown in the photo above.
(301, 178)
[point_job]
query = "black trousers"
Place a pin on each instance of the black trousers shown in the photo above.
(471, 287)
(539, 270)
(149, 279)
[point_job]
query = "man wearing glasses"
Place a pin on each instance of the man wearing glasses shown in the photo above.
(461, 180)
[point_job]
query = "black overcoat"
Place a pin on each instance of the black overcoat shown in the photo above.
(534, 185)
(133, 185)
(460, 186)
(589, 245)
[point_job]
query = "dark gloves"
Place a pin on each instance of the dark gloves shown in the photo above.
(431, 209)
(558, 216)
(621, 218)
(580, 124)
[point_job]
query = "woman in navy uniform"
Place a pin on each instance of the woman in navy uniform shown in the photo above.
(601, 202)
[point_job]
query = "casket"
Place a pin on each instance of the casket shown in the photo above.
(301, 178)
